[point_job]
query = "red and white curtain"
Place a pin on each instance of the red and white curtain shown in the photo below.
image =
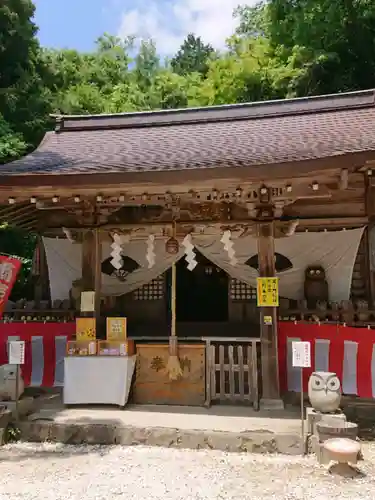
(347, 351)
(45, 348)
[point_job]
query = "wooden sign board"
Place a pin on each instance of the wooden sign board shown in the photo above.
(85, 329)
(116, 329)
(87, 301)
(268, 292)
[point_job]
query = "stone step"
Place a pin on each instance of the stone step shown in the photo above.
(112, 434)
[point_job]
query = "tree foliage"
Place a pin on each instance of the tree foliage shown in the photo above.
(24, 100)
(331, 42)
(193, 56)
(282, 48)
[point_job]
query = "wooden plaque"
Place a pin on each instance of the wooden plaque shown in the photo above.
(85, 329)
(116, 329)
(152, 384)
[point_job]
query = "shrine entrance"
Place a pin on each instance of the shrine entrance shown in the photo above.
(201, 294)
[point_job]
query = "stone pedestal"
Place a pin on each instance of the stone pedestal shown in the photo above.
(323, 427)
(313, 417)
(271, 404)
(332, 430)
(324, 457)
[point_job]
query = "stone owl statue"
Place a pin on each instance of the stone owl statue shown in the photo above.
(316, 286)
(324, 390)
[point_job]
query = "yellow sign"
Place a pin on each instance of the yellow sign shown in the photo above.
(267, 320)
(116, 328)
(268, 292)
(85, 329)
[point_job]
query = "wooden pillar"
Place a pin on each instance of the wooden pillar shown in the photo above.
(91, 266)
(370, 237)
(268, 332)
(370, 254)
(40, 272)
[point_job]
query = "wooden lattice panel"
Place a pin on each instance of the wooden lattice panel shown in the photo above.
(154, 290)
(241, 291)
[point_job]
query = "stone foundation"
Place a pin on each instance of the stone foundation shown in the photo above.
(109, 434)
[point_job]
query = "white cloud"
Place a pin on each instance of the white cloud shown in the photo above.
(168, 22)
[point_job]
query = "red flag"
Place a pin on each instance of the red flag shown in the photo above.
(9, 268)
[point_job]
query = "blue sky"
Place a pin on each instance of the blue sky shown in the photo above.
(77, 23)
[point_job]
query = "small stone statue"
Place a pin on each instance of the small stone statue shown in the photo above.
(324, 391)
(363, 310)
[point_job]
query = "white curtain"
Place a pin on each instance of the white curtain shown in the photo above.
(335, 251)
(64, 261)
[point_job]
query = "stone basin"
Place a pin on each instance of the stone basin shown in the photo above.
(331, 430)
(342, 450)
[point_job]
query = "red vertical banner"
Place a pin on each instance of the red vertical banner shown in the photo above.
(9, 268)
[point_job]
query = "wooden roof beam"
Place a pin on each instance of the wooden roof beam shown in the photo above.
(51, 184)
(302, 224)
(315, 187)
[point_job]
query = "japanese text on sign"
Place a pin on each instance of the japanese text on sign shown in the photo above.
(16, 352)
(268, 292)
(116, 328)
(301, 354)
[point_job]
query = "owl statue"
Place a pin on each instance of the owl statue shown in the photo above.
(324, 392)
(316, 286)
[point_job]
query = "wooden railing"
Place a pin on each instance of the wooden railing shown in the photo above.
(232, 370)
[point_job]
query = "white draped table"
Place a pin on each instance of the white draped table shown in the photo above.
(102, 380)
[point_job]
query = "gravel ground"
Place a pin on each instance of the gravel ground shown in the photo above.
(58, 472)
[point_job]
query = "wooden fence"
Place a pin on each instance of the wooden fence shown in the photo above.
(232, 370)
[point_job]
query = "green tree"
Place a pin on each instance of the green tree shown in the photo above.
(12, 144)
(84, 82)
(147, 64)
(246, 73)
(253, 20)
(24, 103)
(340, 34)
(192, 56)
(331, 43)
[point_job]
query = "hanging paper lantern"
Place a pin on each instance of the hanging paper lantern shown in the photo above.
(172, 246)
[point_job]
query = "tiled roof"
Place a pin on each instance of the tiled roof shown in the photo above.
(254, 134)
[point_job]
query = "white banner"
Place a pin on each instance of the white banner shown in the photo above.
(335, 251)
